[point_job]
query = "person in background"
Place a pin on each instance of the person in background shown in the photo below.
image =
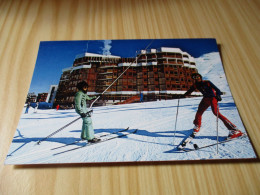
(27, 108)
(141, 97)
(36, 107)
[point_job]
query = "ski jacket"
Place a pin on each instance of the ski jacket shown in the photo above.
(81, 102)
(207, 88)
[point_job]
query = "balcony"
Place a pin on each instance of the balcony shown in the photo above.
(127, 64)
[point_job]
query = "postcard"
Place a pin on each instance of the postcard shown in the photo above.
(118, 101)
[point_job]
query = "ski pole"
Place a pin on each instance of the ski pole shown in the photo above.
(217, 125)
(119, 76)
(176, 119)
(60, 129)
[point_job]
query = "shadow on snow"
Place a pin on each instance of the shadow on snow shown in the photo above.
(66, 140)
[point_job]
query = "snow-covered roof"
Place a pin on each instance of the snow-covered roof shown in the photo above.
(162, 49)
(67, 69)
(170, 49)
(192, 59)
(95, 55)
(186, 54)
(72, 68)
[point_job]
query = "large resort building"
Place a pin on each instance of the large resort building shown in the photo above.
(154, 74)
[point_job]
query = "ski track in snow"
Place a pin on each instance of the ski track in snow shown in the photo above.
(155, 140)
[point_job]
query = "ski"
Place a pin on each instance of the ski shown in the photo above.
(196, 147)
(75, 142)
(183, 144)
(104, 140)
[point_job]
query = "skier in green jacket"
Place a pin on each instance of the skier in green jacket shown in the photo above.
(81, 108)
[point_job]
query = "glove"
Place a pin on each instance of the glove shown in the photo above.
(218, 97)
(83, 115)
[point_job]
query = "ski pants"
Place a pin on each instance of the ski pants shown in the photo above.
(204, 104)
(87, 132)
(26, 111)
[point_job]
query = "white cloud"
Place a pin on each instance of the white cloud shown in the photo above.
(107, 47)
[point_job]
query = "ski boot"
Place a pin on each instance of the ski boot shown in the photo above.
(196, 129)
(94, 140)
(234, 133)
(186, 141)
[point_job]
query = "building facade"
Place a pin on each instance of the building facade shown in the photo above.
(52, 94)
(42, 97)
(155, 73)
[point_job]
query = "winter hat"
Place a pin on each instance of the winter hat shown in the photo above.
(195, 75)
(81, 85)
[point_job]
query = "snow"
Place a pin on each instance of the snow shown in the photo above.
(210, 67)
(155, 140)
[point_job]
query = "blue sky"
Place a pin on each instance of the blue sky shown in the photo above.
(53, 56)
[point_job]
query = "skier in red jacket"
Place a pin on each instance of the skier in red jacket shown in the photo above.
(211, 96)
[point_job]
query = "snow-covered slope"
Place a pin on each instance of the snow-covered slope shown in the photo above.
(155, 140)
(210, 67)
